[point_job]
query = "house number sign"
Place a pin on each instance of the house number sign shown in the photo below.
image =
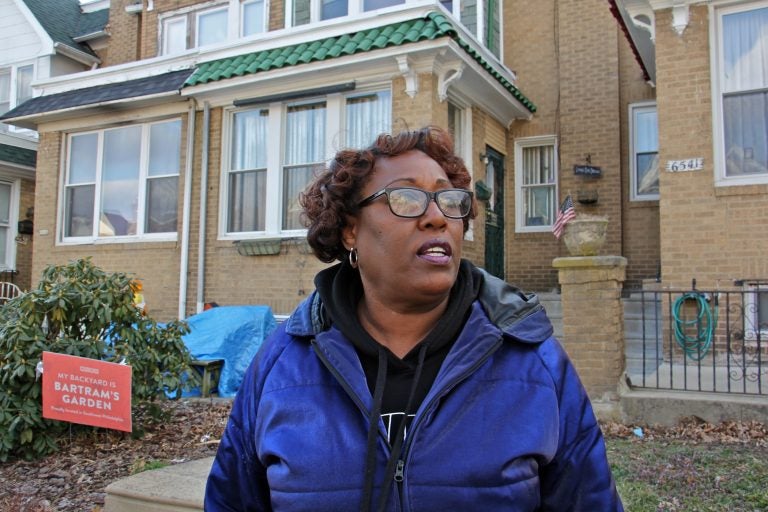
(689, 164)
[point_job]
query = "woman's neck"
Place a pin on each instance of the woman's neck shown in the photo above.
(398, 329)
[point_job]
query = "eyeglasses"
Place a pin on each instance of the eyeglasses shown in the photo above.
(455, 203)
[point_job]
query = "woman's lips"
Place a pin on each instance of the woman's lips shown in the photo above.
(436, 251)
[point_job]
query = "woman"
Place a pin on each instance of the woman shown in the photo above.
(410, 379)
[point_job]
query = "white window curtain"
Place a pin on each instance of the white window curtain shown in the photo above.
(304, 152)
(367, 117)
(539, 185)
(248, 174)
(744, 85)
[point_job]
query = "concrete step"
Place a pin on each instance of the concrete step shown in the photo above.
(176, 488)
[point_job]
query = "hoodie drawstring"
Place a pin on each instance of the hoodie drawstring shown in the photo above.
(373, 430)
(397, 446)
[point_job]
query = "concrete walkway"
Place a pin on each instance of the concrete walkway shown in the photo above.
(176, 488)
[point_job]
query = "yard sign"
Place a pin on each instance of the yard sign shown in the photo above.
(86, 391)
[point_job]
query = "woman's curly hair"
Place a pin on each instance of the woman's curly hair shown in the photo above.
(334, 194)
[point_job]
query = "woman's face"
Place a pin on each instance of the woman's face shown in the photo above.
(406, 261)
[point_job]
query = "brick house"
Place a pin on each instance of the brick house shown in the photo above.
(38, 40)
(711, 69)
(180, 156)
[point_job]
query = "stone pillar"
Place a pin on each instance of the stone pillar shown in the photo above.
(593, 320)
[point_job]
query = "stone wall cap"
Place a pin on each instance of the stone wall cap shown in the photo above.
(589, 262)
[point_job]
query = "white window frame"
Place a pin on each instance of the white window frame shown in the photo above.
(716, 13)
(355, 8)
(635, 108)
(463, 147)
(529, 142)
(13, 220)
(191, 19)
(751, 313)
(143, 178)
(13, 94)
(335, 105)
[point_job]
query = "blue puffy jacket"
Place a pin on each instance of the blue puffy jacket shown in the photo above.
(507, 425)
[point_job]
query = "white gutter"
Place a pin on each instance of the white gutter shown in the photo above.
(203, 206)
(188, 170)
(76, 54)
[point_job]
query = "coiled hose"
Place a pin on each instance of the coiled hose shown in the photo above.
(695, 346)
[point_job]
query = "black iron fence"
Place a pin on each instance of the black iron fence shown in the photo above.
(695, 340)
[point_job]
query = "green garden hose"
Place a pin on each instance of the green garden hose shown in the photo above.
(695, 346)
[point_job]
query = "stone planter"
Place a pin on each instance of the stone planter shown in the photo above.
(585, 235)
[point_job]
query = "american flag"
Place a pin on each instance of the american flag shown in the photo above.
(564, 215)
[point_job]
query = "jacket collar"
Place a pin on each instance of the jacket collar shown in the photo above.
(518, 315)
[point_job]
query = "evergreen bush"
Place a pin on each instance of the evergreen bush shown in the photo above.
(79, 309)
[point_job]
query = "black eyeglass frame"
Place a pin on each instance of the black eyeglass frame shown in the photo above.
(431, 196)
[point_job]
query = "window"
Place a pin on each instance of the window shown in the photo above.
(211, 27)
(123, 182)
(742, 100)
(260, 188)
(535, 183)
(756, 312)
(481, 18)
(644, 152)
(9, 205)
(15, 89)
(253, 17)
(472, 14)
(181, 31)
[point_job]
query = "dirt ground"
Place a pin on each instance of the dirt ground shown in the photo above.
(74, 479)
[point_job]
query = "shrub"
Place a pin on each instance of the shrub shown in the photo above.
(79, 309)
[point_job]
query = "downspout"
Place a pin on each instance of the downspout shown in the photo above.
(203, 206)
(188, 171)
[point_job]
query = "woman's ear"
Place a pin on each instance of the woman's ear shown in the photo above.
(349, 233)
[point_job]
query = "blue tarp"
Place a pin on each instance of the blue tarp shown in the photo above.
(231, 333)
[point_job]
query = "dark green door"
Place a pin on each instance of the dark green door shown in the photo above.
(494, 214)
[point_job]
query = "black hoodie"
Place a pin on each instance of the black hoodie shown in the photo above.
(340, 289)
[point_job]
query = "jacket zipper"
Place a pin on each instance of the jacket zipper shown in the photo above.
(400, 468)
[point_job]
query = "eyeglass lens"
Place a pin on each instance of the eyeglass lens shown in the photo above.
(413, 202)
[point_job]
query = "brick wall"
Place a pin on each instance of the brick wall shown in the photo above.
(123, 29)
(573, 62)
(155, 263)
(593, 330)
(24, 248)
(712, 234)
(641, 245)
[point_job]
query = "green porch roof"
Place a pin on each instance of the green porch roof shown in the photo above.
(430, 27)
(17, 155)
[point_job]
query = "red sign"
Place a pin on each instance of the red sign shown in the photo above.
(86, 391)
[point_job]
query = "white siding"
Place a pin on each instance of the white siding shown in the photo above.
(18, 39)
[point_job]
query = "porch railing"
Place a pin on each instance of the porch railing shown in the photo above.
(695, 340)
